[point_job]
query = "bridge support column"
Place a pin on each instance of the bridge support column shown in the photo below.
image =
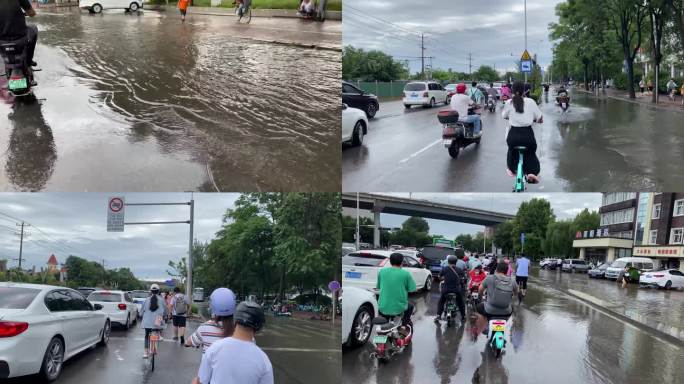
(376, 229)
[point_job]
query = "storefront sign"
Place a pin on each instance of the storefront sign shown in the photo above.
(677, 251)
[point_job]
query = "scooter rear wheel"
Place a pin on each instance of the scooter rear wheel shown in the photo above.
(454, 150)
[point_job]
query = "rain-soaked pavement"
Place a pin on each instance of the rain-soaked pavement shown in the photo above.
(301, 352)
(599, 145)
(554, 339)
(141, 102)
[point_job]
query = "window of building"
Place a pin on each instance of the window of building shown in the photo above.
(678, 208)
(653, 236)
(618, 217)
(616, 197)
(677, 236)
(656, 211)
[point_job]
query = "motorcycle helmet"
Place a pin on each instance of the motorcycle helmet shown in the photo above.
(249, 314)
(222, 302)
(451, 259)
(461, 88)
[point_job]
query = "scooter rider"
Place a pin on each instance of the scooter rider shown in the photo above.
(500, 291)
(453, 283)
(475, 93)
(492, 93)
(395, 284)
(460, 103)
(562, 92)
(477, 276)
(13, 25)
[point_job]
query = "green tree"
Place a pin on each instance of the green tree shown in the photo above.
(486, 73)
(358, 64)
(503, 236)
(532, 219)
(416, 224)
(586, 220)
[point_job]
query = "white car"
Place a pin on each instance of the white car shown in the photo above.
(667, 278)
(425, 93)
(139, 298)
(359, 307)
(360, 269)
(354, 125)
(42, 326)
(96, 6)
(118, 305)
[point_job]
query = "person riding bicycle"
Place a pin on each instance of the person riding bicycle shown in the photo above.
(500, 291)
(307, 8)
(237, 359)
(671, 88)
(522, 112)
(153, 314)
(562, 93)
(395, 284)
(460, 103)
(453, 283)
(242, 6)
(522, 272)
(13, 26)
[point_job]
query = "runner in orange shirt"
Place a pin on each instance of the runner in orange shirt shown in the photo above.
(183, 7)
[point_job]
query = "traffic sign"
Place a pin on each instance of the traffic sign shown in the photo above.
(525, 56)
(334, 286)
(526, 66)
(115, 214)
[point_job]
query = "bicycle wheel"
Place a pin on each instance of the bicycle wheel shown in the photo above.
(248, 15)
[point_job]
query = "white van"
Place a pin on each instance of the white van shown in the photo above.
(643, 264)
(96, 6)
(425, 93)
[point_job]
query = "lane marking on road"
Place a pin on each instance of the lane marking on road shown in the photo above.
(300, 350)
(421, 151)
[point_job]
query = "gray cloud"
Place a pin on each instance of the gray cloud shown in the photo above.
(75, 223)
(491, 30)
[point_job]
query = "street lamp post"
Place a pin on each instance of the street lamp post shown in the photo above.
(525, 34)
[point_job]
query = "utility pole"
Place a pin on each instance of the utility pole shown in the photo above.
(470, 65)
(21, 241)
(358, 232)
(422, 56)
(525, 34)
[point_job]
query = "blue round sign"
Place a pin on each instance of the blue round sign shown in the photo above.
(334, 286)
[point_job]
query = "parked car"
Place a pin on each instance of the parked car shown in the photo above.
(96, 6)
(666, 278)
(139, 298)
(85, 291)
(354, 125)
(451, 90)
(545, 263)
(357, 98)
(42, 326)
(574, 265)
(360, 269)
(599, 272)
(623, 264)
(425, 93)
(359, 307)
(433, 255)
(118, 305)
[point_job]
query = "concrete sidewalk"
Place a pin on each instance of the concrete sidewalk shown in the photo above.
(664, 101)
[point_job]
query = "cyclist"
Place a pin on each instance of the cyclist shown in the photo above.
(453, 283)
(179, 309)
(222, 304)
(395, 284)
(500, 290)
(460, 103)
(671, 89)
(306, 8)
(522, 112)
(13, 25)
(153, 313)
(237, 359)
(522, 272)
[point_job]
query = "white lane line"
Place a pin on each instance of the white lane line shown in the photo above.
(421, 151)
(301, 350)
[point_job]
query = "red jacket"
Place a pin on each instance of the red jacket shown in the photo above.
(476, 278)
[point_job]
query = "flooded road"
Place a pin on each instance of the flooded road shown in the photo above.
(554, 339)
(600, 144)
(141, 102)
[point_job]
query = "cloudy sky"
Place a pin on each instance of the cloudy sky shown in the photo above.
(564, 205)
(76, 223)
(491, 30)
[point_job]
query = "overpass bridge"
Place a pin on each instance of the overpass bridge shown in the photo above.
(378, 204)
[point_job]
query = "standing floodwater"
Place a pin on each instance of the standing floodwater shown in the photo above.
(142, 102)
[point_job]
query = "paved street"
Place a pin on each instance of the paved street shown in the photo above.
(141, 102)
(555, 339)
(601, 144)
(300, 351)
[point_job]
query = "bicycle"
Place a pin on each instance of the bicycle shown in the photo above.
(243, 11)
(155, 335)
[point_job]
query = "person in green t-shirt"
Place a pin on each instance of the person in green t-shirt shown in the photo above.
(395, 284)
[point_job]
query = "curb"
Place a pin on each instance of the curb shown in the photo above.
(223, 11)
(669, 335)
(662, 107)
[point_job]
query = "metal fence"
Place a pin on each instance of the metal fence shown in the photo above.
(382, 89)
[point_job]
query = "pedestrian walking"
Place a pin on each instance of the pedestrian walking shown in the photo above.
(183, 8)
(180, 309)
(641, 85)
(650, 87)
(671, 89)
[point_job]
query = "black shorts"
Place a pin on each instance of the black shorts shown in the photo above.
(481, 311)
(179, 321)
(522, 281)
(183, 11)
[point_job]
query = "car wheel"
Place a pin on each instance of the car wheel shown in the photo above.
(128, 322)
(407, 106)
(448, 100)
(96, 8)
(105, 334)
(133, 7)
(668, 285)
(371, 110)
(428, 284)
(53, 360)
(362, 326)
(357, 135)
(432, 102)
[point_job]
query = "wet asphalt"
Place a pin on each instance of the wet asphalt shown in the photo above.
(555, 339)
(301, 352)
(141, 102)
(599, 145)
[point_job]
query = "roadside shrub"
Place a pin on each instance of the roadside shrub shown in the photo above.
(621, 81)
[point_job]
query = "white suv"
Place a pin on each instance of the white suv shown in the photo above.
(118, 306)
(96, 6)
(425, 93)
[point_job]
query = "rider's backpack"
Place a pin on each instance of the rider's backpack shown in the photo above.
(501, 295)
(179, 306)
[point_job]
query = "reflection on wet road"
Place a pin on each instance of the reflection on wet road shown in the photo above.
(554, 339)
(142, 102)
(599, 145)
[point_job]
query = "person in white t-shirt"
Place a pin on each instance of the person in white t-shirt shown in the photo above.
(460, 103)
(237, 359)
(522, 112)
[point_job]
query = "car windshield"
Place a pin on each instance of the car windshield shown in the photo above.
(363, 259)
(139, 295)
(618, 264)
(16, 297)
(603, 266)
(415, 87)
(450, 87)
(437, 253)
(106, 297)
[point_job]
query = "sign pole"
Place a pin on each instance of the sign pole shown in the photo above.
(525, 34)
(188, 285)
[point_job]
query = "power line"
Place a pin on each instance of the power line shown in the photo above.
(362, 13)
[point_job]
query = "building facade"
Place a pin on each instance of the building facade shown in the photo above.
(663, 238)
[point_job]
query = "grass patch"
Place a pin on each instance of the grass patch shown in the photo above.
(333, 5)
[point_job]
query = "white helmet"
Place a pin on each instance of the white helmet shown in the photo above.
(154, 287)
